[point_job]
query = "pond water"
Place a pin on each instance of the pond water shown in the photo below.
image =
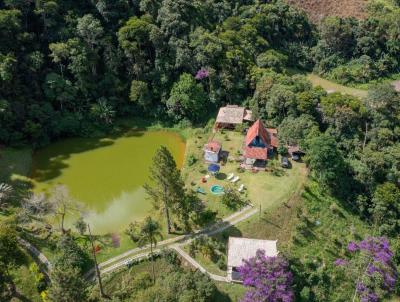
(105, 175)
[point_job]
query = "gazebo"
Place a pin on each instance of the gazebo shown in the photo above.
(246, 248)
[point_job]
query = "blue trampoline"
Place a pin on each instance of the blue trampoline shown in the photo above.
(214, 168)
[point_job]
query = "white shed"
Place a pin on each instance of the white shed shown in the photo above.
(240, 249)
(211, 151)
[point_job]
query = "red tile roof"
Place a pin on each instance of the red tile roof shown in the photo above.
(257, 130)
(256, 153)
(274, 140)
(213, 146)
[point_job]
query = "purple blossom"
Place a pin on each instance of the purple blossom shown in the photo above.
(340, 262)
(202, 73)
(379, 272)
(115, 240)
(352, 246)
(268, 277)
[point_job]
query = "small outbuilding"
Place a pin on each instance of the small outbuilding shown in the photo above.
(212, 151)
(240, 249)
(295, 152)
(232, 115)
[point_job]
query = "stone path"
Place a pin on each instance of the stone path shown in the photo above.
(197, 265)
(42, 261)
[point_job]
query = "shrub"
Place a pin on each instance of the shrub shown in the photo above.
(191, 160)
(222, 263)
(232, 199)
(282, 150)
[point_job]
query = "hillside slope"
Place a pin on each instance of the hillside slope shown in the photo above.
(318, 9)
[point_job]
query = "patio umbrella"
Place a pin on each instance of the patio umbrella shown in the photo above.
(213, 168)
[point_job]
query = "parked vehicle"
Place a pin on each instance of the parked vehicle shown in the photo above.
(285, 163)
(295, 157)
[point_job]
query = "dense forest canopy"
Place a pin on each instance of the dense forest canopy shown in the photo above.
(67, 68)
(73, 68)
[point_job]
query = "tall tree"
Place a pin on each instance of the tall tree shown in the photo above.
(149, 232)
(187, 99)
(62, 204)
(10, 254)
(67, 284)
(326, 161)
(385, 208)
(166, 188)
(269, 279)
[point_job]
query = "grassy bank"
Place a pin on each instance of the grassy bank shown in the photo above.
(335, 87)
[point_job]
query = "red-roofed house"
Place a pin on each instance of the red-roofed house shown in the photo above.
(212, 151)
(257, 144)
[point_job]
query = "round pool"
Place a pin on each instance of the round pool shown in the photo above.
(217, 190)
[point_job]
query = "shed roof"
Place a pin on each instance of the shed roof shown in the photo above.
(213, 146)
(231, 114)
(248, 115)
(273, 137)
(245, 248)
(294, 149)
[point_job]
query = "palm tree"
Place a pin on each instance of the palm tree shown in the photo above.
(149, 233)
(5, 192)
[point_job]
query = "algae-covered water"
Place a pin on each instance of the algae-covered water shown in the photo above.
(105, 175)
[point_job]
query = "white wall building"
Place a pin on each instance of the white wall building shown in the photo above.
(245, 248)
(212, 151)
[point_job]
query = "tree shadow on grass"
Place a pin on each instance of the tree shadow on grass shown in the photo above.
(220, 176)
(21, 297)
(222, 297)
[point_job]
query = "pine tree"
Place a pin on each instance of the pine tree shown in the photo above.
(167, 188)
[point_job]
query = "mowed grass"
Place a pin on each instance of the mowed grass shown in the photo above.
(265, 189)
(334, 87)
(230, 292)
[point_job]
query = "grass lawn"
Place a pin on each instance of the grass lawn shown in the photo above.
(230, 292)
(265, 189)
(389, 79)
(334, 87)
(25, 282)
(207, 263)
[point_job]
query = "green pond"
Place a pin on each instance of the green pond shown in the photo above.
(105, 175)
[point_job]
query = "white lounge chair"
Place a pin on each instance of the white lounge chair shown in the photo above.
(235, 179)
(241, 188)
(207, 176)
(230, 176)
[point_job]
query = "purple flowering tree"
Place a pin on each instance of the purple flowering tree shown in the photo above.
(202, 74)
(269, 278)
(371, 265)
